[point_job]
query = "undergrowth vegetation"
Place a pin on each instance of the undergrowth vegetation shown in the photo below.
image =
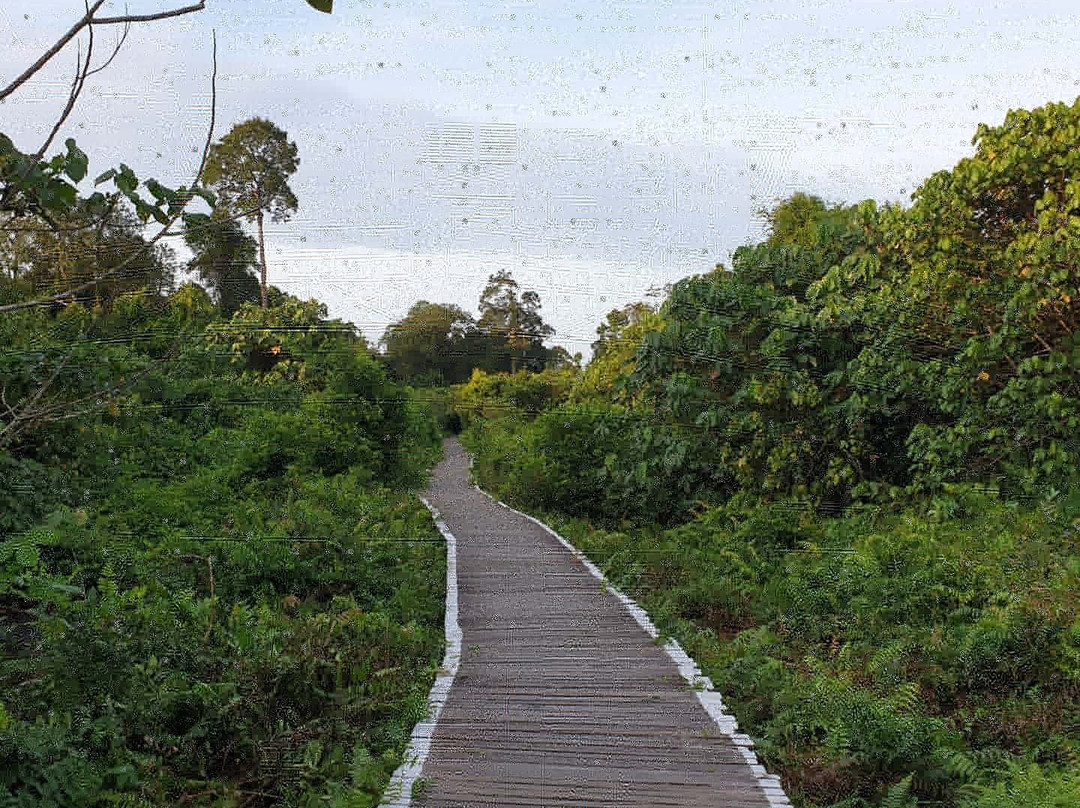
(217, 588)
(843, 472)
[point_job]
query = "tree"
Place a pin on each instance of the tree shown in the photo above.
(615, 353)
(975, 307)
(795, 220)
(432, 342)
(249, 169)
(610, 333)
(224, 258)
(751, 376)
(512, 323)
(40, 260)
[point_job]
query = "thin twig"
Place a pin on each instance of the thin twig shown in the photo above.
(46, 414)
(103, 219)
(160, 15)
(213, 599)
(81, 72)
(51, 52)
(116, 49)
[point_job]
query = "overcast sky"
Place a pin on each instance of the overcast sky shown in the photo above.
(595, 149)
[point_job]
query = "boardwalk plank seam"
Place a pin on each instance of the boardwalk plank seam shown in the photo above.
(710, 699)
(398, 792)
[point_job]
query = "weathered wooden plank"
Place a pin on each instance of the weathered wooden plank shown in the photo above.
(561, 697)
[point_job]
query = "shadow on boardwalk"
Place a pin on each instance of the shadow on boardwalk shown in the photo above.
(561, 697)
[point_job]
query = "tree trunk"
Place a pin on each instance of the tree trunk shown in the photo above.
(262, 257)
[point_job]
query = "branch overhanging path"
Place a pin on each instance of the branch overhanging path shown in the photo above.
(562, 697)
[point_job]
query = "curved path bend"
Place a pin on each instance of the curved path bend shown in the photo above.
(561, 697)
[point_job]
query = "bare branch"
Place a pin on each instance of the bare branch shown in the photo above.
(51, 52)
(88, 20)
(25, 412)
(47, 383)
(103, 219)
(160, 15)
(4, 401)
(157, 236)
(77, 85)
(26, 418)
(81, 72)
(59, 228)
(116, 49)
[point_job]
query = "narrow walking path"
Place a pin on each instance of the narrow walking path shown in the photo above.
(561, 697)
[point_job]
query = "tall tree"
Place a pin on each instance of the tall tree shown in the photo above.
(512, 320)
(249, 169)
(432, 343)
(611, 333)
(224, 257)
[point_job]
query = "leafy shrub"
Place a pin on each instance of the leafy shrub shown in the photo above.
(231, 553)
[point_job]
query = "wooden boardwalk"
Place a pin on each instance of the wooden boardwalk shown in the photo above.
(561, 698)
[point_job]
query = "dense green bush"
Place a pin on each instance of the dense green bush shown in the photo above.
(228, 551)
(843, 472)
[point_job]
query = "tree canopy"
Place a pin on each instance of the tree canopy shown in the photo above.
(437, 343)
(511, 319)
(846, 468)
(434, 342)
(224, 258)
(249, 169)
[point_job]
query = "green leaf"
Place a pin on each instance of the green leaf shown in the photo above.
(105, 177)
(76, 163)
(205, 194)
(126, 181)
(322, 5)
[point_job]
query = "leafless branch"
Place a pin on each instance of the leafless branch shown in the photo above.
(116, 49)
(25, 412)
(4, 401)
(77, 84)
(232, 217)
(88, 20)
(103, 219)
(60, 228)
(160, 15)
(209, 559)
(81, 72)
(27, 417)
(157, 236)
(51, 52)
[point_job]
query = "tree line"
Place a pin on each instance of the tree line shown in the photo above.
(440, 344)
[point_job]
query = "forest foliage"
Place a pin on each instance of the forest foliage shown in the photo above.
(228, 548)
(216, 584)
(438, 344)
(843, 471)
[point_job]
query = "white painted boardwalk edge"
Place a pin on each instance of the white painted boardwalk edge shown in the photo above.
(702, 685)
(398, 792)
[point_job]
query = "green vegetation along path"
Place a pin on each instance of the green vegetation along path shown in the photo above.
(562, 698)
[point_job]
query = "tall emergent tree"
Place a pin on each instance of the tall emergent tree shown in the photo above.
(513, 320)
(249, 169)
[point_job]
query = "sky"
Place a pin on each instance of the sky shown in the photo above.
(597, 150)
